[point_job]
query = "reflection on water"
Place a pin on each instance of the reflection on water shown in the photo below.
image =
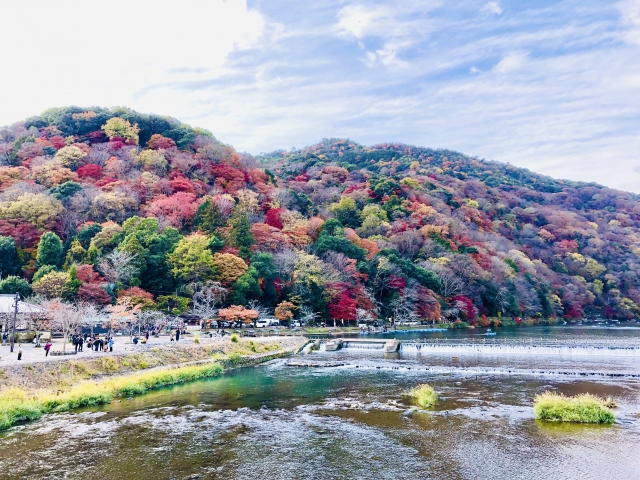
(280, 421)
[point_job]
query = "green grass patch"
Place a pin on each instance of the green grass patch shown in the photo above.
(585, 408)
(424, 396)
(18, 406)
(234, 338)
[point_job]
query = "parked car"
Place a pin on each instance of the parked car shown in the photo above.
(262, 323)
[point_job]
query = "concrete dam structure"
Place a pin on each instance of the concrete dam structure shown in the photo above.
(484, 347)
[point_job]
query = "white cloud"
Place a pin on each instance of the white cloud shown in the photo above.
(630, 16)
(398, 28)
(84, 54)
(361, 21)
(547, 88)
(492, 7)
(510, 63)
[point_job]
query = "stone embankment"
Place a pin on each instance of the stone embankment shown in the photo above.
(63, 373)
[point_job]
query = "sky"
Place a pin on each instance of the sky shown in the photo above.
(553, 86)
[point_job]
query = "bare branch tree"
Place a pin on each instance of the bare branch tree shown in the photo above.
(363, 316)
(118, 266)
(261, 309)
(307, 315)
(206, 298)
(450, 282)
(65, 317)
(403, 310)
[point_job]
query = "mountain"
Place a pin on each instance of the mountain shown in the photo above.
(104, 204)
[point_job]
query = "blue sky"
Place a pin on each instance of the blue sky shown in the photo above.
(553, 86)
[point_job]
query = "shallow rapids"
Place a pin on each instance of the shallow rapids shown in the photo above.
(344, 416)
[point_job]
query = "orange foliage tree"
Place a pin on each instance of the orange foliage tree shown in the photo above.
(237, 313)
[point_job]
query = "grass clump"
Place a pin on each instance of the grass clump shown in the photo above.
(234, 338)
(17, 406)
(424, 395)
(585, 408)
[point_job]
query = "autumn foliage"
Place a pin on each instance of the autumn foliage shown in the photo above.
(147, 210)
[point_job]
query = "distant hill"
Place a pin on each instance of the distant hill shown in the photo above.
(337, 229)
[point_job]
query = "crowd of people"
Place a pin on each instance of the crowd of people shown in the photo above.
(106, 342)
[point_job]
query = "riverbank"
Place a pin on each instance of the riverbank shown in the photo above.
(32, 390)
(496, 322)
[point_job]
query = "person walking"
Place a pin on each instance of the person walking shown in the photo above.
(19, 352)
(171, 336)
(177, 334)
(47, 347)
(111, 344)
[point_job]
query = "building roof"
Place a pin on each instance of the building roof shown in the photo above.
(6, 305)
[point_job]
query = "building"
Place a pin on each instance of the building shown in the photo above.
(27, 313)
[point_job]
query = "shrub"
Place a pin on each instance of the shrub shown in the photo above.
(235, 358)
(585, 408)
(424, 395)
(234, 338)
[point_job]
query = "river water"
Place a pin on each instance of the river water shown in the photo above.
(343, 416)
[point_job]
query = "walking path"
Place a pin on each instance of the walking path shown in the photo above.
(31, 354)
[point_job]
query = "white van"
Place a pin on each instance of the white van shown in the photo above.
(263, 323)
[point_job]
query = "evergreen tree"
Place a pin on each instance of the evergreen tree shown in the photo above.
(50, 250)
(42, 271)
(86, 233)
(9, 261)
(73, 284)
(263, 263)
(208, 217)
(12, 285)
(241, 236)
(246, 287)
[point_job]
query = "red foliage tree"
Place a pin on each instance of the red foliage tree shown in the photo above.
(93, 292)
(158, 141)
(397, 283)
(24, 234)
(181, 184)
(427, 305)
(179, 209)
(273, 219)
(90, 170)
(105, 181)
(86, 274)
(575, 311)
(466, 305)
(57, 142)
(135, 292)
(341, 305)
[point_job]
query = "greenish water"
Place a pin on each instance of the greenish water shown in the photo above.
(285, 422)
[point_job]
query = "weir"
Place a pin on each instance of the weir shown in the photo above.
(517, 349)
(491, 347)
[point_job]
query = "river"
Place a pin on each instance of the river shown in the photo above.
(344, 416)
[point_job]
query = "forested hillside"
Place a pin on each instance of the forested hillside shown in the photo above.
(142, 212)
